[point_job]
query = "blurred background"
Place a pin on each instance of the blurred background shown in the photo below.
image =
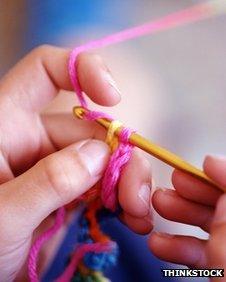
(173, 83)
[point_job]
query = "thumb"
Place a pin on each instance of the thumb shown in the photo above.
(215, 167)
(53, 182)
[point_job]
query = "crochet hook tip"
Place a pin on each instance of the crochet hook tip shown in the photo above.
(79, 111)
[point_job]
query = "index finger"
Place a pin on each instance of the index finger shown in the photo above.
(29, 86)
(37, 78)
(194, 189)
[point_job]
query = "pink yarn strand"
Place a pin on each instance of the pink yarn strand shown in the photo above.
(189, 15)
(109, 196)
(35, 249)
(93, 115)
(81, 251)
(122, 154)
(118, 160)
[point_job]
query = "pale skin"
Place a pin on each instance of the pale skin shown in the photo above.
(42, 169)
(48, 161)
(195, 203)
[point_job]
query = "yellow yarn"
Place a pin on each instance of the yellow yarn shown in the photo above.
(111, 138)
(99, 277)
(84, 271)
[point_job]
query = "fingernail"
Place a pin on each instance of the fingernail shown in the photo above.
(144, 194)
(163, 235)
(107, 76)
(217, 157)
(166, 191)
(215, 167)
(94, 154)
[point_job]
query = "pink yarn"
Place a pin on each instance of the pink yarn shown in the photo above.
(118, 159)
(81, 251)
(35, 249)
(191, 14)
(109, 197)
(93, 115)
(121, 156)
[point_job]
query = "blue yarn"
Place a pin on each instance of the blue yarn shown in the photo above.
(101, 261)
(83, 221)
(95, 261)
(103, 215)
(89, 240)
(83, 234)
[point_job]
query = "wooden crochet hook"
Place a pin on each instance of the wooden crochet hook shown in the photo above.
(154, 150)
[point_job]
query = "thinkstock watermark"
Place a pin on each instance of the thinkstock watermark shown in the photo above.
(192, 272)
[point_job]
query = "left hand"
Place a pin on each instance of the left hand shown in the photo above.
(195, 203)
(39, 167)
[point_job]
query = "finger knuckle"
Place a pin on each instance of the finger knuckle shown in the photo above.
(41, 49)
(88, 55)
(63, 173)
(97, 58)
(57, 177)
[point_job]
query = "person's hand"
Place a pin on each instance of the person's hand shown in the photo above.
(48, 161)
(193, 202)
